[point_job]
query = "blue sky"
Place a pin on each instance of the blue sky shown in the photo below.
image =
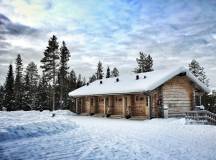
(114, 31)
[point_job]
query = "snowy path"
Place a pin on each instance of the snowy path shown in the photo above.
(77, 137)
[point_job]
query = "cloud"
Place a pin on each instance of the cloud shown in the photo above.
(10, 28)
(171, 31)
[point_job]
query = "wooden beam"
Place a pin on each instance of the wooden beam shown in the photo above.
(104, 105)
(149, 107)
(76, 105)
(123, 106)
(200, 100)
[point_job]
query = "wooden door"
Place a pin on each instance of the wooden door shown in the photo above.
(100, 108)
(138, 109)
(118, 105)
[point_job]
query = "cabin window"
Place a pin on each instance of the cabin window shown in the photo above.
(120, 99)
(137, 98)
(101, 99)
(141, 98)
(91, 101)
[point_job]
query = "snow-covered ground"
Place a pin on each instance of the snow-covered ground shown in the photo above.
(36, 135)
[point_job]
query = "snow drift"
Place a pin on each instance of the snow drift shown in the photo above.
(35, 130)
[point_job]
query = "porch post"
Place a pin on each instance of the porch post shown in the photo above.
(81, 104)
(123, 106)
(194, 99)
(200, 100)
(104, 105)
(76, 105)
(149, 107)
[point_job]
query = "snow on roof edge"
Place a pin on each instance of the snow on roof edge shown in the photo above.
(151, 87)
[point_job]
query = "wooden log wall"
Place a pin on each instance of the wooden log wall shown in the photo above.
(86, 105)
(178, 94)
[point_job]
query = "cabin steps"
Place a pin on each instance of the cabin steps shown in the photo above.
(138, 118)
(116, 116)
(98, 115)
(176, 115)
(84, 114)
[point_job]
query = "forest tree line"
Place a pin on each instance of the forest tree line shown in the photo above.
(26, 89)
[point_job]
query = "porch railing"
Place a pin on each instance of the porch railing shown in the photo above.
(203, 117)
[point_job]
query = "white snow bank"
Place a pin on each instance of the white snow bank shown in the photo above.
(33, 124)
(34, 130)
(104, 138)
(64, 112)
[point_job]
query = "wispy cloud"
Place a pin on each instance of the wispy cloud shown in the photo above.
(171, 31)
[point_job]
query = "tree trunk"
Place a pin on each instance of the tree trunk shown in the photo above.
(61, 93)
(54, 84)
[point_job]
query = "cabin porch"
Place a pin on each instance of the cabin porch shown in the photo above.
(115, 106)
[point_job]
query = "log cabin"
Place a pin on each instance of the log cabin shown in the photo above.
(146, 95)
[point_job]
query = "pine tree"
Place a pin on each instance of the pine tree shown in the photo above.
(50, 63)
(108, 72)
(99, 73)
(115, 72)
(63, 73)
(72, 80)
(32, 80)
(149, 63)
(18, 88)
(1, 97)
(9, 100)
(198, 71)
(145, 63)
(79, 81)
(27, 94)
(83, 81)
(92, 78)
(43, 94)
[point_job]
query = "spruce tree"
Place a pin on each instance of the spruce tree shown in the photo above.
(32, 78)
(108, 72)
(79, 81)
(198, 71)
(9, 100)
(43, 94)
(50, 64)
(27, 94)
(115, 72)
(149, 63)
(1, 97)
(63, 73)
(92, 78)
(83, 81)
(72, 84)
(145, 63)
(99, 72)
(72, 80)
(18, 88)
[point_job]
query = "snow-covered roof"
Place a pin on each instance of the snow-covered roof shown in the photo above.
(129, 84)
